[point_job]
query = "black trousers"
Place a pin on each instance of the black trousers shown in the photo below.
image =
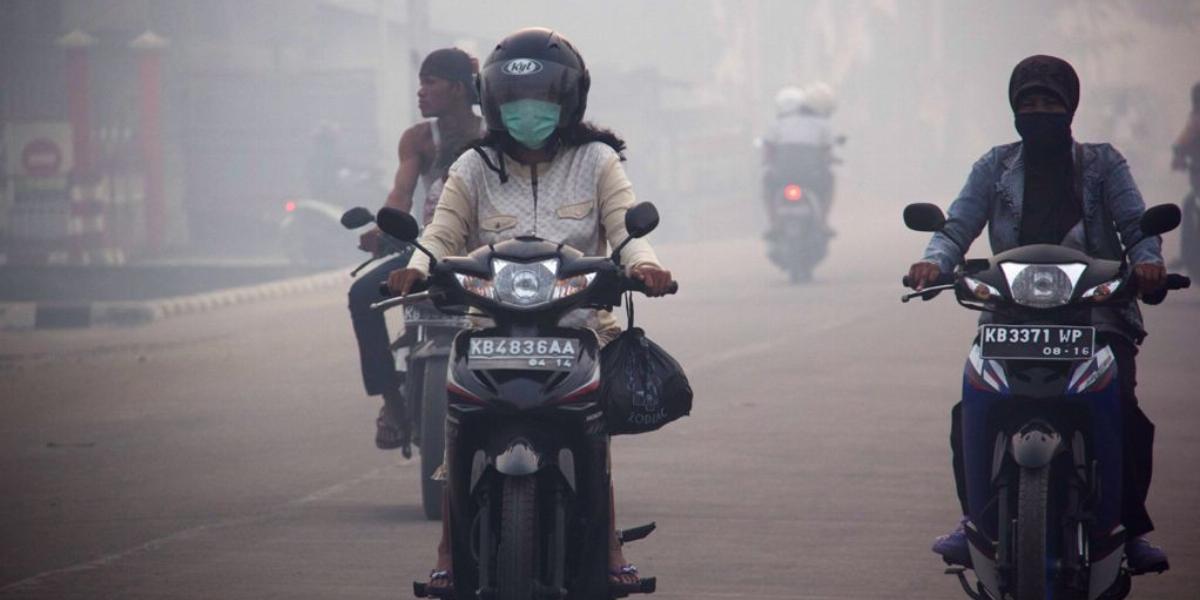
(1138, 445)
(378, 365)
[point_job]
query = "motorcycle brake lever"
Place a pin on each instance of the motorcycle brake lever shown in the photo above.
(400, 300)
(928, 293)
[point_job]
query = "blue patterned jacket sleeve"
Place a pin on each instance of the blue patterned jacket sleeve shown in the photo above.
(967, 216)
(1124, 203)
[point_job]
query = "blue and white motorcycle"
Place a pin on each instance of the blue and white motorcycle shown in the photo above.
(1041, 418)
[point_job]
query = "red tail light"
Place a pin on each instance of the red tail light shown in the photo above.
(289, 206)
(793, 193)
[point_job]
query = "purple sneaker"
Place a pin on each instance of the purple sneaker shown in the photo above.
(1144, 557)
(953, 546)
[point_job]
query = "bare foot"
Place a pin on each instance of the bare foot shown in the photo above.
(441, 578)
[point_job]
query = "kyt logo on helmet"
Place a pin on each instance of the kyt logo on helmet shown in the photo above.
(522, 66)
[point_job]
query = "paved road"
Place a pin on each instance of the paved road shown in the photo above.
(229, 455)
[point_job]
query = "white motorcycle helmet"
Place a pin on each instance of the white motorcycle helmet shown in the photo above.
(789, 100)
(819, 98)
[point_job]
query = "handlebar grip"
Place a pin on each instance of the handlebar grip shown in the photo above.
(419, 285)
(637, 285)
(943, 279)
(1176, 281)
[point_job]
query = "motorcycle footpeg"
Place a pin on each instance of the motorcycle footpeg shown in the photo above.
(645, 585)
(960, 572)
(1157, 569)
(634, 534)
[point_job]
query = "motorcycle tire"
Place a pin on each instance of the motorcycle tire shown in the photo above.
(517, 553)
(1032, 496)
(433, 433)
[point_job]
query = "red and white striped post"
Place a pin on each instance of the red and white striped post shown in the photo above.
(150, 48)
(86, 227)
(79, 103)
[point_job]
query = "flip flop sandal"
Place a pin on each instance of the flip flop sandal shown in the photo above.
(428, 590)
(388, 436)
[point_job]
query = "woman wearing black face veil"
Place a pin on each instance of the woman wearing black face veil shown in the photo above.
(1027, 193)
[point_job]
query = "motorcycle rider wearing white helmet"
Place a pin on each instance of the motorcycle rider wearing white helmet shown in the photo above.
(800, 143)
(801, 118)
(541, 171)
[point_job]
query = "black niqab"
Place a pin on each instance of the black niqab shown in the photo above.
(1052, 206)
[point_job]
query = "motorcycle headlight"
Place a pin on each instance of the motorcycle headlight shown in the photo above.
(525, 284)
(1042, 286)
(1103, 290)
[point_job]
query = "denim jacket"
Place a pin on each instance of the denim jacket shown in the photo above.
(993, 194)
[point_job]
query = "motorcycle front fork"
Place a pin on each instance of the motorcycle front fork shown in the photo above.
(1072, 526)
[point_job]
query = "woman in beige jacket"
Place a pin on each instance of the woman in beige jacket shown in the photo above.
(540, 171)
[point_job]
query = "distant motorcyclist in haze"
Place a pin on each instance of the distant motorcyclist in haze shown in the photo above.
(1049, 189)
(800, 141)
(1186, 150)
(540, 170)
(445, 96)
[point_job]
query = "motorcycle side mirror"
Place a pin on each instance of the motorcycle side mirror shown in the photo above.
(356, 217)
(398, 224)
(639, 222)
(641, 219)
(1160, 219)
(403, 227)
(923, 216)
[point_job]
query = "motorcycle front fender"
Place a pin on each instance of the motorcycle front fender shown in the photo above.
(1034, 444)
(520, 458)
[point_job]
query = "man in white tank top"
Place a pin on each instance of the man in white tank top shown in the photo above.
(426, 150)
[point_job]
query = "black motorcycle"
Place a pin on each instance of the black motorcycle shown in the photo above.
(798, 186)
(424, 350)
(1041, 418)
(528, 469)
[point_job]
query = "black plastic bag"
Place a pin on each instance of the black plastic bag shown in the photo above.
(643, 387)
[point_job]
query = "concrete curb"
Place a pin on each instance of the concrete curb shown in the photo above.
(35, 315)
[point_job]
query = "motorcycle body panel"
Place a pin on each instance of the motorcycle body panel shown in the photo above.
(1065, 416)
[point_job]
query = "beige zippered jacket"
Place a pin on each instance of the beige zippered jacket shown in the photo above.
(579, 198)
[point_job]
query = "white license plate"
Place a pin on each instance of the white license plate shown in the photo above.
(1036, 342)
(427, 314)
(543, 354)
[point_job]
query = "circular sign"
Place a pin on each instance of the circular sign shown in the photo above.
(42, 158)
(522, 66)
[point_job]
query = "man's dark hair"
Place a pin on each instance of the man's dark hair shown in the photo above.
(455, 65)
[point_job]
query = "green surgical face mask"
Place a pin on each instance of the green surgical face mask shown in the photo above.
(530, 122)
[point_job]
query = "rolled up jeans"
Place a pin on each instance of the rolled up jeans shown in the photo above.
(370, 328)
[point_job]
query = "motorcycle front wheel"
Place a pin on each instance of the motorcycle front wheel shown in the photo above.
(1032, 497)
(433, 433)
(517, 554)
